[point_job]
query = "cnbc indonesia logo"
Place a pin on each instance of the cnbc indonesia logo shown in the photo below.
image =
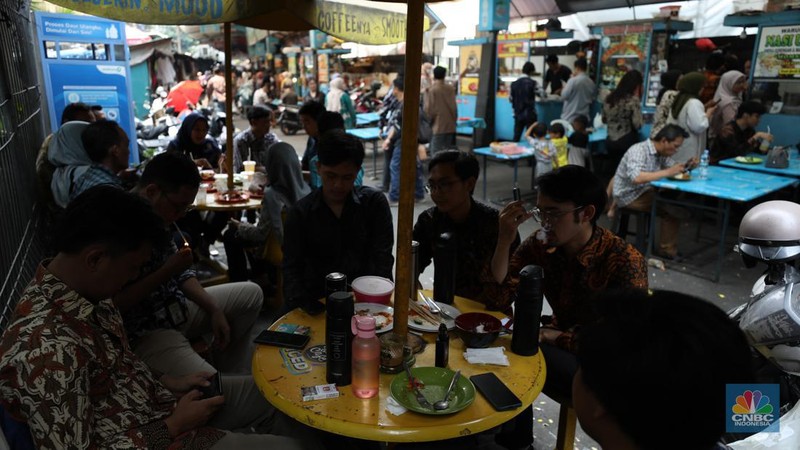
(752, 408)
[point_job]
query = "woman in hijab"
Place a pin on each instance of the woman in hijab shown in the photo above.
(689, 113)
(728, 98)
(669, 86)
(339, 101)
(193, 142)
(286, 186)
(67, 155)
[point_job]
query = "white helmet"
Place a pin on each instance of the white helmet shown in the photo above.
(770, 232)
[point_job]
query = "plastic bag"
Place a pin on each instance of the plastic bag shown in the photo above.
(778, 158)
(789, 436)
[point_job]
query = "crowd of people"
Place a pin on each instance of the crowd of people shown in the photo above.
(107, 326)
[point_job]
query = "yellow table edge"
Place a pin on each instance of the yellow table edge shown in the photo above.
(303, 413)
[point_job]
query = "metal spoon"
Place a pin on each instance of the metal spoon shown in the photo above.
(445, 402)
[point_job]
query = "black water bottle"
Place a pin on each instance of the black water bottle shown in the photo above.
(444, 268)
(339, 338)
(528, 311)
(442, 347)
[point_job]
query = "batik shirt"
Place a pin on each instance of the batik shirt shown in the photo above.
(67, 370)
(152, 312)
(571, 284)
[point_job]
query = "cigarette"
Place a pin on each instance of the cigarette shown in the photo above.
(185, 242)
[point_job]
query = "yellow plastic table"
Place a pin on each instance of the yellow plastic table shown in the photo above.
(368, 418)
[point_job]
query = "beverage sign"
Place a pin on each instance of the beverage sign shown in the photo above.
(778, 53)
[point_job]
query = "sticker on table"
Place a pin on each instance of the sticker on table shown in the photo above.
(317, 354)
(294, 361)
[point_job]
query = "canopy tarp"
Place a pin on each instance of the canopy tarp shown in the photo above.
(550, 8)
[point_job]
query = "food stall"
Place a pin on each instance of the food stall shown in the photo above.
(641, 45)
(514, 50)
(775, 74)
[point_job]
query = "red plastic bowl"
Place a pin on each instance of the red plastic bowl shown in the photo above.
(478, 330)
(373, 289)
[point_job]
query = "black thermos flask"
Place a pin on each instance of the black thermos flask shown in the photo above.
(338, 338)
(527, 311)
(444, 268)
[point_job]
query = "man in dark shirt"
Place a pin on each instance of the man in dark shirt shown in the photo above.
(310, 113)
(338, 228)
(523, 100)
(556, 75)
(453, 175)
(739, 137)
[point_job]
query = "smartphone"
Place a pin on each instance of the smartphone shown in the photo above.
(313, 307)
(496, 393)
(214, 389)
(280, 339)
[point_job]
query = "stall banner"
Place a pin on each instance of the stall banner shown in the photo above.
(169, 12)
(494, 15)
(322, 69)
(469, 63)
(778, 54)
(82, 67)
(317, 38)
(359, 24)
(517, 49)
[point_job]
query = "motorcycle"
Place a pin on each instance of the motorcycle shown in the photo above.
(289, 119)
(367, 100)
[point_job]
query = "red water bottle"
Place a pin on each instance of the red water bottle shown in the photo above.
(366, 357)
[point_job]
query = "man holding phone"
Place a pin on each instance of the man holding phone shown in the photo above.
(647, 161)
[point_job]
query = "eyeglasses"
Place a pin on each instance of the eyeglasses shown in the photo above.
(178, 206)
(550, 216)
(442, 186)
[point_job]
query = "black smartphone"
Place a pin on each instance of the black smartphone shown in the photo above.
(214, 389)
(497, 394)
(280, 339)
(313, 308)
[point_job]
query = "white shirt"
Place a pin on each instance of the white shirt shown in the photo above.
(692, 118)
(578, 95)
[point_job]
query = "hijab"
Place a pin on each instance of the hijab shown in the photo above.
(688, 88)
(334, 97)
(183, 143)
(669, 82)
(70, 159)
(725, 95)
(284, 173)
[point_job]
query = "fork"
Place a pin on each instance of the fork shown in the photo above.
(436, 309)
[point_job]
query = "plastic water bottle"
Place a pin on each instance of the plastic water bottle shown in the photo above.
(702, 169)
(366, 357)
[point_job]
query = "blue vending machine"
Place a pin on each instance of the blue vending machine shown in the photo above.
(85, 59)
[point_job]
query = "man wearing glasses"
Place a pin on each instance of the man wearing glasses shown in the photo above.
(453, 175)
(579, 258)
(166, 306)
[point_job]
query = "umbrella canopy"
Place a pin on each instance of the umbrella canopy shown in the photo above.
(185, 91)
(550, 8)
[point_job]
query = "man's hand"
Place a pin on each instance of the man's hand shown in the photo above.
(386, 143)
(182, 385)
(510, 219)
(549, 335)
(192, 412)
(763, 135)
(180, 261)
(677, 169)
(221, 329)
(202, 162)
(233, 223)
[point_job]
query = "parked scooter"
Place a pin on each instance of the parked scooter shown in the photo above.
(368, 100)
(289, 119)
(770, 233)
(216, 123)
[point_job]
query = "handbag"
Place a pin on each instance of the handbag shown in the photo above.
(424, 131)
(777, 158)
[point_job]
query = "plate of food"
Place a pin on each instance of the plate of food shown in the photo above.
(384, 315)
(749, 159)
(421, 318)
(683, 176)
(231, 197)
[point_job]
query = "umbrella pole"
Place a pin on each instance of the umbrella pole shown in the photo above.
(228, 106)
(408, 164)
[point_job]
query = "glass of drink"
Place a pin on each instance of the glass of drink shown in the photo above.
(249, 166)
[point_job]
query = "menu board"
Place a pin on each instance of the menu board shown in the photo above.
(658, 65)
(778, 55)
(624, 48)
(469, 65)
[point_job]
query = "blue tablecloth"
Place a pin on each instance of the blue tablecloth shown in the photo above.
(792, 171)
(487, 151)
(367, 118)
(729, 184)
(366, 134)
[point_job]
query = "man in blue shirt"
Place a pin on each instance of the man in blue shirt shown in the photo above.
(107, 146)
(523, 100)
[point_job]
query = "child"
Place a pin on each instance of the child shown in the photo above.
(579, 141)
(543, 149)
(559, 141)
